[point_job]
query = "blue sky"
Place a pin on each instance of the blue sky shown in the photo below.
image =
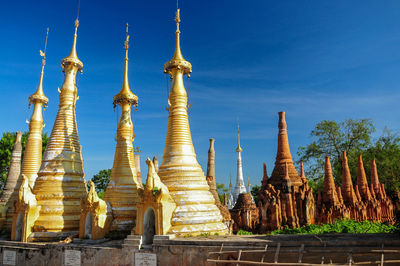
(315, 60)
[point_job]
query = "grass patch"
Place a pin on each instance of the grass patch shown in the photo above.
(341, 226)
(243, 232)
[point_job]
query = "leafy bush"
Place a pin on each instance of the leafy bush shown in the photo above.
(341, 226)
(243, 232)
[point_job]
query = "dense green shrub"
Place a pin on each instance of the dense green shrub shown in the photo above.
(341, 226)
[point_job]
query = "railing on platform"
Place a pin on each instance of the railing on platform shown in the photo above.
(235, 257)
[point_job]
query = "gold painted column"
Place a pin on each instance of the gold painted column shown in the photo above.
(60, 184)
(33, 148)
(122, 190)
(196, 211)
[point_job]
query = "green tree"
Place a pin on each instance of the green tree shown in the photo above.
(255, 190)
(101, 180)
(6, 146)
(354, 136)
(221, 190)
(386, 152)
(331, 139)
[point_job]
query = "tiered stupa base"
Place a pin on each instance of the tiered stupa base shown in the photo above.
(196, 212)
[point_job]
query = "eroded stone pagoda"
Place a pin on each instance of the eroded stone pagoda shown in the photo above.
(330, 206)
(213, 186)
(285, 198)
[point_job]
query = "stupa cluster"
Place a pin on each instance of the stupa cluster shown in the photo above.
(362, 203)
(286, 200)
(48, 198)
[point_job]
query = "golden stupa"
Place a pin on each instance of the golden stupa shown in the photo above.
(33, 148)
(196, 211)
(122, 190)
(60, 183)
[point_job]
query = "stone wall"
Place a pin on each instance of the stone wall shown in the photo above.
(192, 251)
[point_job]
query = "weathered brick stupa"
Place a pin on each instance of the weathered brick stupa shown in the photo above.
(330, 205)
(245, 214)
(283, 157)
(196, 211)
(8, 195)
(60, 183)
(213, 187)
(285, 196)
(349, 196)
(384, 202)
(371, 204)
(122, 190)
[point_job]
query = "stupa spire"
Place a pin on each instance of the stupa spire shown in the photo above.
(122, 190)
(177, 61)
(362, 180)
(196, 211)
(60, 183)
(302, 174)
(72, 58)
(38, 96)
(374, 177)
(348, 192)
(329, 190)
(339, 194)
(125, 95)
(239, 148)
(264, 181)
(240, 186)
(283, 156)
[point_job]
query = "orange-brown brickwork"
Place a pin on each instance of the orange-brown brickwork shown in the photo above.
(245, 214)
(330, 205)
(285, 199)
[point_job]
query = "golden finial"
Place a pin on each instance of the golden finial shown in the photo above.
(126, 95)
(177, 19)
(127, 41)
(238, 149)
(39, 96)
(177, 61)
(248, 183)
(72, 58)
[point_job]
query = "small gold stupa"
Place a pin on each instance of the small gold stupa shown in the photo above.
(122, 190)
(60, 183)
(196, 211)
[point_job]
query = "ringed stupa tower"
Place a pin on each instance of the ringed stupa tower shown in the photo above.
(60, 184)
(196, 211)
(122, 190)
(33, 148)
